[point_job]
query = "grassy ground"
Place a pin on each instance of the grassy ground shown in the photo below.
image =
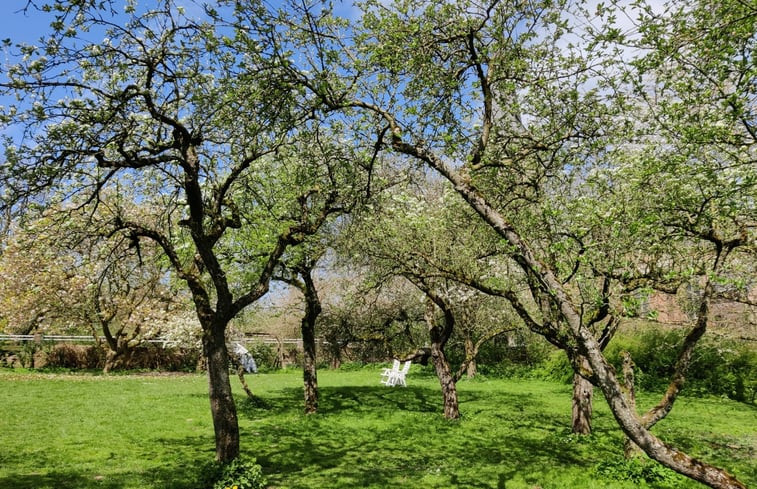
(77, 431)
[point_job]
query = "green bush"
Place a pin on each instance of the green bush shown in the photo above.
(554, 367)
(264, 354)
(240, 473)
(521, 348)
(638, 471)
(719, 366)
(524, 356)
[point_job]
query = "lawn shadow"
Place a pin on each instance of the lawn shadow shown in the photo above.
(335, 400)
(184, 471)
(58, 480)
(365, 436)
(164, 477)
(368, 398)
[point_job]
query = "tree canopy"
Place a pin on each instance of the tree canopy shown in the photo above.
(594, 156)
(200, 130)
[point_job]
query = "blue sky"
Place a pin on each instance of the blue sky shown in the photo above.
(28, 25)
(17, 26)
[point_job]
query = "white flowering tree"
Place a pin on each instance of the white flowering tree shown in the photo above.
(42, 290)
(179, 137)
(58, 278)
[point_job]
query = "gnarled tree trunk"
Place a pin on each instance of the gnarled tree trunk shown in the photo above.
(309, 371)
(243, 381)
(663, 408)
(630, 449)
(583, 390)
(222, 407)
(313, 309)
(548, 286)
(447, 382)
(583, 393)
(439, 336)
(114, 360)
(634, 428)
(471, 369)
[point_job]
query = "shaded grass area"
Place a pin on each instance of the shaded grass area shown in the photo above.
(72, 431)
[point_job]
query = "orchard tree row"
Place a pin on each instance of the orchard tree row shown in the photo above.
(534, 162)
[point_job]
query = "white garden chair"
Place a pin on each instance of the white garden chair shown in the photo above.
(399, 377)
(394, 375)
(388, 373)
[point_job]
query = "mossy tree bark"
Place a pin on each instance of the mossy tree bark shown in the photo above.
(439, 335)
(309, 370)
(299, 274)
(583, 394)
(222, 407)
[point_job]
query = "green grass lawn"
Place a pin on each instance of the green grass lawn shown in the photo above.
(142, 431)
